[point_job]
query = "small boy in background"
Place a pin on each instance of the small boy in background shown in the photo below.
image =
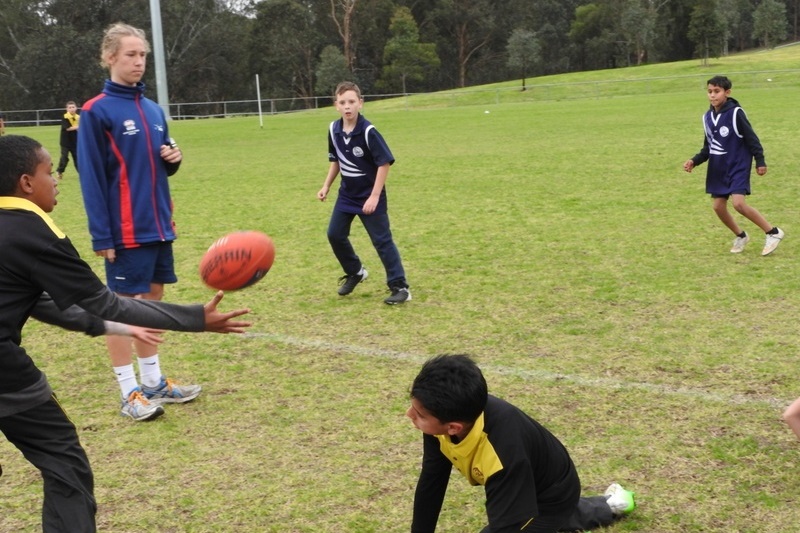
(69, 139)
(530, 480)
(359, 153)
(729, 146)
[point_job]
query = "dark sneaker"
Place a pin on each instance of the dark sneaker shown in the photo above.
(399, 295)
(348, 283)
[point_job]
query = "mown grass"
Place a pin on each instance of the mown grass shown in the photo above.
(558, 241)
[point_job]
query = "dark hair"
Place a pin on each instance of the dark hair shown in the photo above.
(18, 155)
(452, 388)
(721, 81)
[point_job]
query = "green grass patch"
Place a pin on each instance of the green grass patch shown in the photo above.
(556, 239)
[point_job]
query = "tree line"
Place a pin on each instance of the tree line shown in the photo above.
(49, 49)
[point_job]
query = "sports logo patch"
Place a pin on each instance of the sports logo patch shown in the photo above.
(724, 131)
(358, 152)
(130, 127)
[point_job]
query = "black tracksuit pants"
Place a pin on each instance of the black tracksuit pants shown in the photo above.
(48, 439)
(590, 513)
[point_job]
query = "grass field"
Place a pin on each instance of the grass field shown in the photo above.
(557, 240)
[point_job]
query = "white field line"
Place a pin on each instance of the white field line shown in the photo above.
(533, 375)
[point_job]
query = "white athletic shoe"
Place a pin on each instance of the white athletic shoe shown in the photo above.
(738, 244)
(620, 500)
(772, 242)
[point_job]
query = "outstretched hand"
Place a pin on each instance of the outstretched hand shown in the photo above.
(221, 322)
(146, 335)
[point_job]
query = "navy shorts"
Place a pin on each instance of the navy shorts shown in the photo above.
(134, 269)
(727, 196)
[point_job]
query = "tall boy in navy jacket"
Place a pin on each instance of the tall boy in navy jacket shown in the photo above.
(126, 156)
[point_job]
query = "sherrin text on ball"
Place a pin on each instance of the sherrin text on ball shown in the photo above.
(237, 260)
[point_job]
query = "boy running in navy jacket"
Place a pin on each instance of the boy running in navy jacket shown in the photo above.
(729, 146)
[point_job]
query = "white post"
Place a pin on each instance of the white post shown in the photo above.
(258, 95)
(158, 52)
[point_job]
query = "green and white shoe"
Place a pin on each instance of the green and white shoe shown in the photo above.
(620, 500)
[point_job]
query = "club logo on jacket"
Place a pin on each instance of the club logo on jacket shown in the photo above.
(358, 152)
(477, 475)
(724, 131)
(130, 127)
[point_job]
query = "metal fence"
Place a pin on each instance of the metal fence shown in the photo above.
(182, 111)
(534, 91)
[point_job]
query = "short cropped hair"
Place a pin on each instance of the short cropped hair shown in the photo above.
(346, 86)
(452, 388)
(18, 155)
(112, 38)
(721, 81)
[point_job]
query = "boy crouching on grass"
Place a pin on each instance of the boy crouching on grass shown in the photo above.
(530, 481)
(38, 258)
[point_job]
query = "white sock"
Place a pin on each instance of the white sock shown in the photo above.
(126, 378)
(149, 371)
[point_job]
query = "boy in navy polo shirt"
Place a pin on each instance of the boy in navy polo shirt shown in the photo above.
(530, 480)
(359, 153)
(729, 146)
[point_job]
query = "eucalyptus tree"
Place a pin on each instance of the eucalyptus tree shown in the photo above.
(468, 27)
(637, 26)
(406, 59)
(284, 46)
(550, 20)
(342, 14)
(331, 69)
(707, 30)
(523, 52)
(769, 23)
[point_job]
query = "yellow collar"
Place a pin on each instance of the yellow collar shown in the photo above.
(14, 202)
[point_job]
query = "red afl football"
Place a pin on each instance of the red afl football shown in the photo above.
(237, 260)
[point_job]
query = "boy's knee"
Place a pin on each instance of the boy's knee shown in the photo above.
(740, 206)
(336, 238)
